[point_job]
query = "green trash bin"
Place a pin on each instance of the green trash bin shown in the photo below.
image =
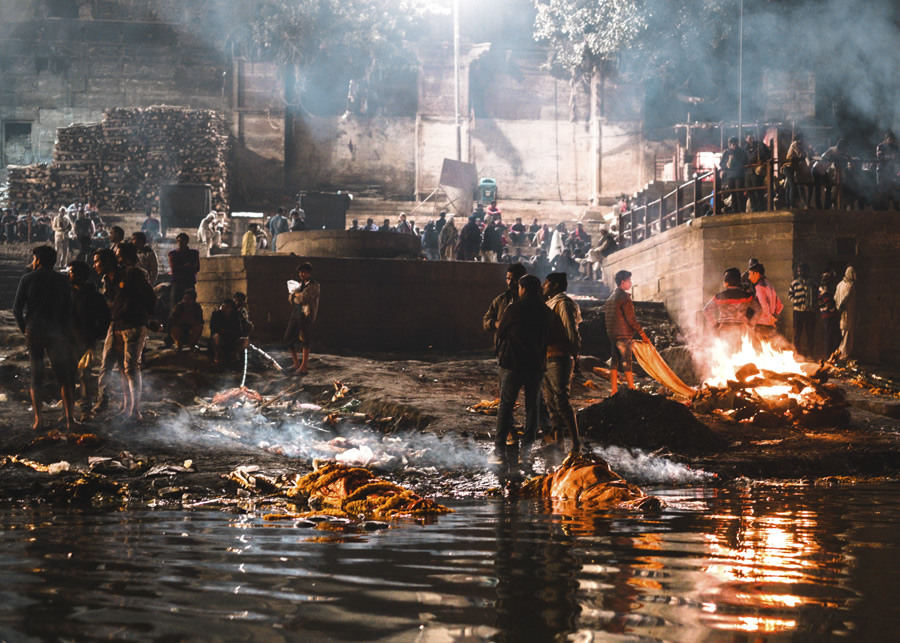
(487, 190)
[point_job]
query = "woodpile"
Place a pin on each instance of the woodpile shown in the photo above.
(120, 162)
(809, 402)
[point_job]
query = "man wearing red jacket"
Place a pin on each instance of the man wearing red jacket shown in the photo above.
(621, 326)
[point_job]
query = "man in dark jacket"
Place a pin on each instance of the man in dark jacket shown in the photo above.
(90, 323)
(733, 161)
(522, 336)
(42, 309)
(563, 348)
(228, 331)
(621, 326)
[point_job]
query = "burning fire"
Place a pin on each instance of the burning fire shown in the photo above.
(727, 367)
(769, 387)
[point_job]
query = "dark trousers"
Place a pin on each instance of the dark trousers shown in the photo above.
(822, 185)
(737, 198)
(511, 383)
(804, 327)
(757, 197)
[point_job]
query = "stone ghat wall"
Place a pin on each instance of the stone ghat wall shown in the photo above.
(389, 305)
(682, 267)
(120, 162)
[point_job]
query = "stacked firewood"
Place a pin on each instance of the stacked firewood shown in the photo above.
(121, 162)
(814, 403)
(27, 184)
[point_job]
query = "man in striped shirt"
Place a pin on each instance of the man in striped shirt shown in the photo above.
(803, 298)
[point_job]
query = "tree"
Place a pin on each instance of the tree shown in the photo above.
(331, 40)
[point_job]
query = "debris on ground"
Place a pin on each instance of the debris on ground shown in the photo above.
(485, 407)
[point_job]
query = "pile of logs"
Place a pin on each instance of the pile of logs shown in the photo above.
(120, 162)
(820, 404)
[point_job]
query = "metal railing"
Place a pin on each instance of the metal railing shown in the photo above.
(702, 195)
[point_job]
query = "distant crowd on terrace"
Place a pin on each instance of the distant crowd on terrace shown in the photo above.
(809, 177)
(485, 236)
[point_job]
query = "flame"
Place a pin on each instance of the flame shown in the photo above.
(725, 364)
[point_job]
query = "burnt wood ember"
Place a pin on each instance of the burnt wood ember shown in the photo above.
(812, 401)
(120, 162)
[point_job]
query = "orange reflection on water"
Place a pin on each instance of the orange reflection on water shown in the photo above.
(768, 566)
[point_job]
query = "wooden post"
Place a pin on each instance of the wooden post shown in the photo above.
(647, 231)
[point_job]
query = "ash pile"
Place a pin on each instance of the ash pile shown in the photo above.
(640, 420)
(121, 161)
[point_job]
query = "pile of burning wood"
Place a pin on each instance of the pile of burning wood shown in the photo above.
(769, 388)
(121, 161)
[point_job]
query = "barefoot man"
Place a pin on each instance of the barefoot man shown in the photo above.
(621, 326)
(305, 299)
(42, 309)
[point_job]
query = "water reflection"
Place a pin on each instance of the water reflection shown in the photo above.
(759, 563)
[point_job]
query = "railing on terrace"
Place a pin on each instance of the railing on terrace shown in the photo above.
(704, 195)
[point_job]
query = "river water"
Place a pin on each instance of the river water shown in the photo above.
(761, 562)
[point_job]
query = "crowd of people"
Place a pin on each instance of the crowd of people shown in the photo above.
(487, 237)
(808, 177)
(749, 306)
(537, 343)
(96, 308)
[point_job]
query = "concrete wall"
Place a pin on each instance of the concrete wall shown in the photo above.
(683, 267)
(332, 153)
(366, 304)
(55, 72)
(349, 243)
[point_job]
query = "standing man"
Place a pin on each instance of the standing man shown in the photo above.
(621, 327)
(732, 164)
(277, 225)
(845, 299)
(758, 155)
(563, 348)
(887, 153)
(522, 336)
(769, 303)
(248, 241)
(61, 225)
(90, 324)
(42, 309)
(147, 259)
(803, 299)
(404, 226)
(184, 263)
(305, 299)
(732, 311)
(448, 239)
(132, 302)
(831, 322)
(502, 301)
(116, 237)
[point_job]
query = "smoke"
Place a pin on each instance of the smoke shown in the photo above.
(308, 439)
(639, 467)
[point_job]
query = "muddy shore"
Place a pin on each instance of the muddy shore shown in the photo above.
(405, 418)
